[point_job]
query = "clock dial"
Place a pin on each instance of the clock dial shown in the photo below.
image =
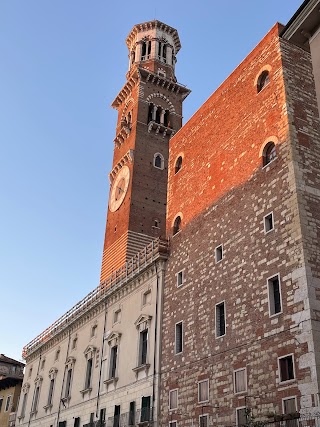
(119, 189)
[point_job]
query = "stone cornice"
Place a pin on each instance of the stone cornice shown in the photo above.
(103, 300)
(128, 157)
(170, 85)
(126, 90)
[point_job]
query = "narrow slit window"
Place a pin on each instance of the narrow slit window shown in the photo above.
(220, 319)
(179, 338)
(274, 290)
(180, 278)
(219, 253)
(268, 223)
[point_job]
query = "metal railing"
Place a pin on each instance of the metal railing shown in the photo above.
(135, 418)
(128, 271)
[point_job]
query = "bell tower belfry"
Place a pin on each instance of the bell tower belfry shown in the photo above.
(149, 113)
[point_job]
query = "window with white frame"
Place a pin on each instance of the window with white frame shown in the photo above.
(286, 368)
(173, 399)
(220, 319)
(274, 294)
(143, 324)
(89, 354)
(268, 222)
(179, 338)
(241, 416)
(8, 404)
(68, 375)
(203, 391)
(24, 404)
(240, 380)
(113, 342)
(37, 382)
(158, 161)
(52, 378)
(203, 421)
(180, 278)
(289, 405)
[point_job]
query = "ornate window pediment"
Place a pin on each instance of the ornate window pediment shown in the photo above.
(143, 322)
(90, 351)
(53, 373)
(114, 338)
(70, 362)
(38, 379)
(26, 387)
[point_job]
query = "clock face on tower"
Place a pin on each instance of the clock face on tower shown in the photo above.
(119, 189)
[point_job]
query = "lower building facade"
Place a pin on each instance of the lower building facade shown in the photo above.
(99, 364)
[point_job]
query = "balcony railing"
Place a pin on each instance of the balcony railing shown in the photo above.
(12, 419)
(139, 417)
(154, 250)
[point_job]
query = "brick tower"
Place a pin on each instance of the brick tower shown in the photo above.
(149, 112)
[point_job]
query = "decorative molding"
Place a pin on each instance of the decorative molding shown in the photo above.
(128, 157)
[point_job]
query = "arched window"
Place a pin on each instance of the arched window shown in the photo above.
(177, 225)
(158, 115)
(263, 80)
(269, 153)
(178, 164)
(150, 112)
(166, 121)
(145, 50)
(158, 161)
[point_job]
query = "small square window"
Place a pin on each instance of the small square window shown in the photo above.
(180, 278)
(173, 399)
(146, 297)
(286, 368)
(274, 294)
(179, 338)
(117, 316)
(219, 253)
(268, 223)
(173, 424)
(203, 391)
(203, 421)
(289, 405)
(220, 319)
(240, 380)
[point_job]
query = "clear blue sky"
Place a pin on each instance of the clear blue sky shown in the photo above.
(62, 63)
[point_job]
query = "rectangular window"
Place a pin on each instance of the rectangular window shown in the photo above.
(180, 278)
(241, 415)
(36, 399)
(68, 383)
(113, 362)
(290, 407)
(116, 416)
(50, 395)
(240, 380)
(203, 421)
(286, 368)
(132, 413)
(145, 409)
(203, 391)
(62, 423)
(76, 422)
(220, 319)
(24, 403)
(146, 297)
(1, 403)
(173, 424)
(274, 292)
(88, 374)
(8, 402)
(143, 347)
(268, 222)
(219, 253)
(116, 316)
(179, 338)
(173, 399)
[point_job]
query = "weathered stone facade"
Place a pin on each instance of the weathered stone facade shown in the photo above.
(224, 194)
